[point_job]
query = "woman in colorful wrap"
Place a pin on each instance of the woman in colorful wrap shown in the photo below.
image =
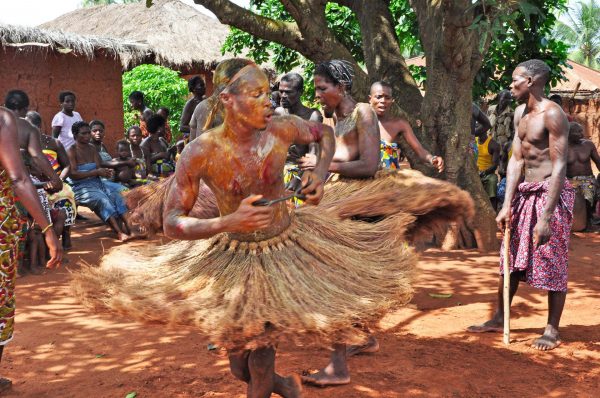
(64, 200)
(257, 275)
(90, 189)
(14, 181)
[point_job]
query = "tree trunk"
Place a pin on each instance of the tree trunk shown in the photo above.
(451, 56)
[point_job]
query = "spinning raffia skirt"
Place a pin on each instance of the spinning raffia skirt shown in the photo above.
(313, 283)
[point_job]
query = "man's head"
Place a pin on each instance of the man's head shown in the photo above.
(556, 98)
(34, 118)
(134, 135)
(246, 98)
(67, 101)
(97, 128)
(123, 149)
(291, 87)
(164, 112)
(17, 101)
(197, 86)
(575, 133)
(333, 81)
(136, 100)
(156, 125)
(531, 75)
(380, 97)
(504, 100)
(82, 132)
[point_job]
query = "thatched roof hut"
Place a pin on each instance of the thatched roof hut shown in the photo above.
(177, 35)
(28, 38)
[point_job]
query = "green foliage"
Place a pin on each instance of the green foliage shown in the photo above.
(161, 87)
(582, 33)
(518, 36)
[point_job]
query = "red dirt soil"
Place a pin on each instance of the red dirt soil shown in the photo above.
(60, 349)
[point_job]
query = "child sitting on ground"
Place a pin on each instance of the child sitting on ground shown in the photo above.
(158, 147)
(125, 172)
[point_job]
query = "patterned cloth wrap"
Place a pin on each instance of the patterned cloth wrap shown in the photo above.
(586, 186)
(65, 198)
(102, 197)
(163, 168)
(10, 231)
(292, 179)
(43, 196)
(389, 155)
(546, 267)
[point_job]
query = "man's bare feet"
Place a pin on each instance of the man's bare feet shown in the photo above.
(549, 340)
(288, 387)
(5, 384)
(370, 347)
(329, 376)
(489, 326)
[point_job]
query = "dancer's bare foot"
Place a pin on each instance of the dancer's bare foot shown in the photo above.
(288, 387)
(124, 237)
(549, 340)
(370, 347)
(5, 384)
(489, 326)
(323, 378)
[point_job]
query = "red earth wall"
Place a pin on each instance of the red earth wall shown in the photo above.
(587, 112)
(43, 73)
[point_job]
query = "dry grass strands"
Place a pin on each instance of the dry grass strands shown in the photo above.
(312, 284)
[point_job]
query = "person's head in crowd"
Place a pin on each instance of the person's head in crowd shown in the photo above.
(136, 100)
(17, 101)
(197, 86)
(529, 77)
(275, 96)
(557, 98)
(156, 125)
(504, 99)
(82, 132)
(380, 97)
(34, 118)
(67, 102)
(163, 112)
(134, 135)
(291, 87)
(97, 128)
(575, 133)
(123, 150)
(333, 82)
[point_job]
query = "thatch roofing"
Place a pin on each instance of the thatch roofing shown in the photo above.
(177, 34)
(28, 38)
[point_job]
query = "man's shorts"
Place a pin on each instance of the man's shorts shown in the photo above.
(490, 184)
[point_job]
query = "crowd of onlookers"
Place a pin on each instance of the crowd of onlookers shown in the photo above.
(91, 174)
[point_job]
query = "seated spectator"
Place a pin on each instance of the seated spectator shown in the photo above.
(125, 174)
(62, 203)
(92, 191)
(139, 154)
(63, 120)
(106, 159)
(161, 166)
(164, 112)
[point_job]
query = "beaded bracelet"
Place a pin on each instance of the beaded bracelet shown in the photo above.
(47, 228)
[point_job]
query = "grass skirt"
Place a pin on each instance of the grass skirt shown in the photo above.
(314, 283)
(434, 203)
(146, 204)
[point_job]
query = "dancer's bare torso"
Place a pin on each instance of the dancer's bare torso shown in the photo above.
(234, 170)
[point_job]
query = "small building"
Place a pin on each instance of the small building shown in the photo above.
(179, 36)
(43, 63)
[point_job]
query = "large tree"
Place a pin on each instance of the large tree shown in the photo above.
(455, 36)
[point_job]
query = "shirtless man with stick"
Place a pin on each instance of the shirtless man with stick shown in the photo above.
(539, 210)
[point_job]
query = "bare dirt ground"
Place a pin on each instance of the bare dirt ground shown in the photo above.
(60, 349)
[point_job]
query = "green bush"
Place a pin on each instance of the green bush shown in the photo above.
(161, 87)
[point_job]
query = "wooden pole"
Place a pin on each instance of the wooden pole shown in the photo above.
(506, 287)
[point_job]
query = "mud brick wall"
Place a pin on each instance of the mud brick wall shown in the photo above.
(43, 73)
(587, 112)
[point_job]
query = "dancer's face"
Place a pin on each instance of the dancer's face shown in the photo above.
(248, 101)
(328, 94)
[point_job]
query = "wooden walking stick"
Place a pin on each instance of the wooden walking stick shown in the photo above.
(506, 287)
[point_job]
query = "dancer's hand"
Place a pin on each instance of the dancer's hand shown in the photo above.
(312, 187)
(249, 218)
(541, 232)
(503, 218)
(308, 161)
(54, 247)
(438, 163)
